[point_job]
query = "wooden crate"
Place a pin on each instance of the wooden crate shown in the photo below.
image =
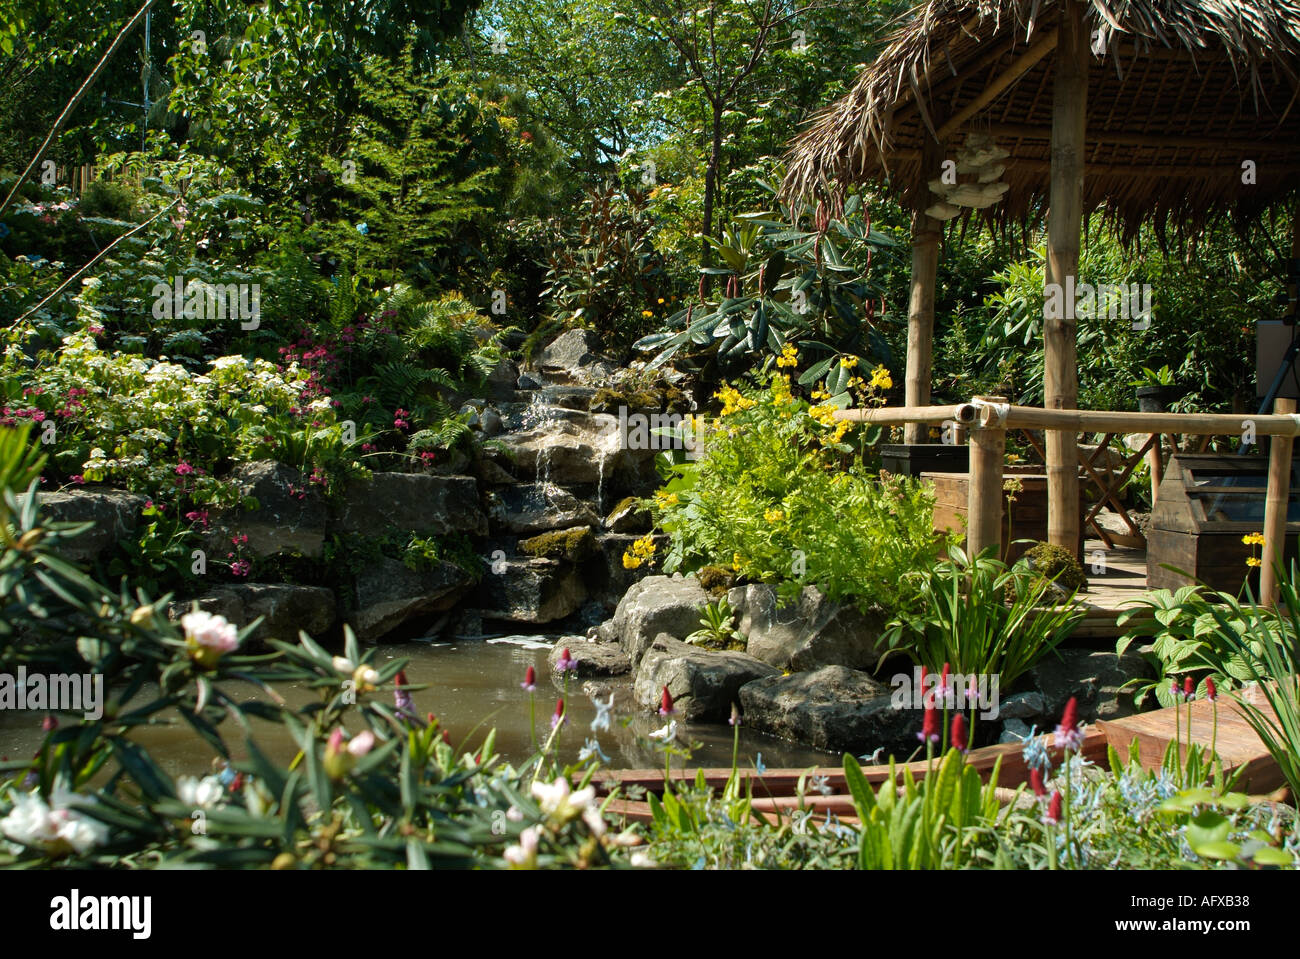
(1028, 512)
(1207, 503)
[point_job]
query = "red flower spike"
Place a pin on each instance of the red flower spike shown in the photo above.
(400, 679)
(1036, 781)
(1070, 717)
(665, 703)
(930, 726)
(530, 679)
(1054, 808)
(958, 734)
(1210, 692)
(1189, 689)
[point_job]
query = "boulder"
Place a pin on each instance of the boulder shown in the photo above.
(290, 515)
(572, 451)
(286, 608)
(576, 354)
(528, 510)
(502, 379)
(832, 708)
(1030, 705)
(811, 633)
(593, 659)
(388, 593)
(115, 514)
(1094, 677)
(530, 591)
(704, 683)
(410, 503)
(607, 578)
(658, 604)
(1014, 731)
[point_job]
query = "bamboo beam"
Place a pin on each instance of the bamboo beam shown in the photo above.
(1019, 66)
(926, 233)
(902, 415)
(1155, 460)
(1108, 421)
(988, 447)
(1275, 508)
(1065, 225)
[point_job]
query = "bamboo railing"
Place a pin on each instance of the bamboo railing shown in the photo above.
(989, 417)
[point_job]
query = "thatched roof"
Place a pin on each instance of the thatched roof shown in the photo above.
(1182, 94)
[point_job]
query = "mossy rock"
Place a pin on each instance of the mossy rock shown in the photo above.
(571, 544)
(629, 516)
(716, 579)
(1059, 564)
(667, 399)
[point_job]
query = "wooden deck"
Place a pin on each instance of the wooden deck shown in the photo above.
(1236, 742)
(1112, 591)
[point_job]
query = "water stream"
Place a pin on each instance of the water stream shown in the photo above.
(473, 686)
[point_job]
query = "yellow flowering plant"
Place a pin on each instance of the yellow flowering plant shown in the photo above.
(781, 496)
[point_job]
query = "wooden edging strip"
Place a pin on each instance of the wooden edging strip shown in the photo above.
(781, 783)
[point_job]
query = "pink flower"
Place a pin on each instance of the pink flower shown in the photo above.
(241, 567)
(184, 469)
(1036, 781)
(209, 636)
(558, 716)
(78, 479)
(566, 662)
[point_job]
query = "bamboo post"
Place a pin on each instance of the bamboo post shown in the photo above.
(988, 444)
(926, 232)
(1061, 381)
(1275, 507)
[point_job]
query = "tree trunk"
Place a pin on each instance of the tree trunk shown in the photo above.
(711, 182)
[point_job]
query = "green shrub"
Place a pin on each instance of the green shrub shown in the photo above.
(982, 617)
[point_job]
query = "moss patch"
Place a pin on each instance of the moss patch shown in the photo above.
(1057, 563)
(716, 579)
(571, 544)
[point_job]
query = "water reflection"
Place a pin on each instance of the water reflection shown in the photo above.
(473, 685)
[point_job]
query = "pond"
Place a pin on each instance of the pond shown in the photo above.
(473, 687)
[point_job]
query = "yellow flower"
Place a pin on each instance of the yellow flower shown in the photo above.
(880, 378)
(661, 299)
(666, 499)
(848, 362)
(736, 561)
(1253, 561)
(649, 313)
(773, 515)
(824, 414)
(732, 401)
(789, 356)
(630, 561)
(1253, 539)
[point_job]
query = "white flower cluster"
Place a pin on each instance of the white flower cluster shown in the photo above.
(56, 827)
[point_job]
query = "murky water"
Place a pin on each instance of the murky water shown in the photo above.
(473, 687)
